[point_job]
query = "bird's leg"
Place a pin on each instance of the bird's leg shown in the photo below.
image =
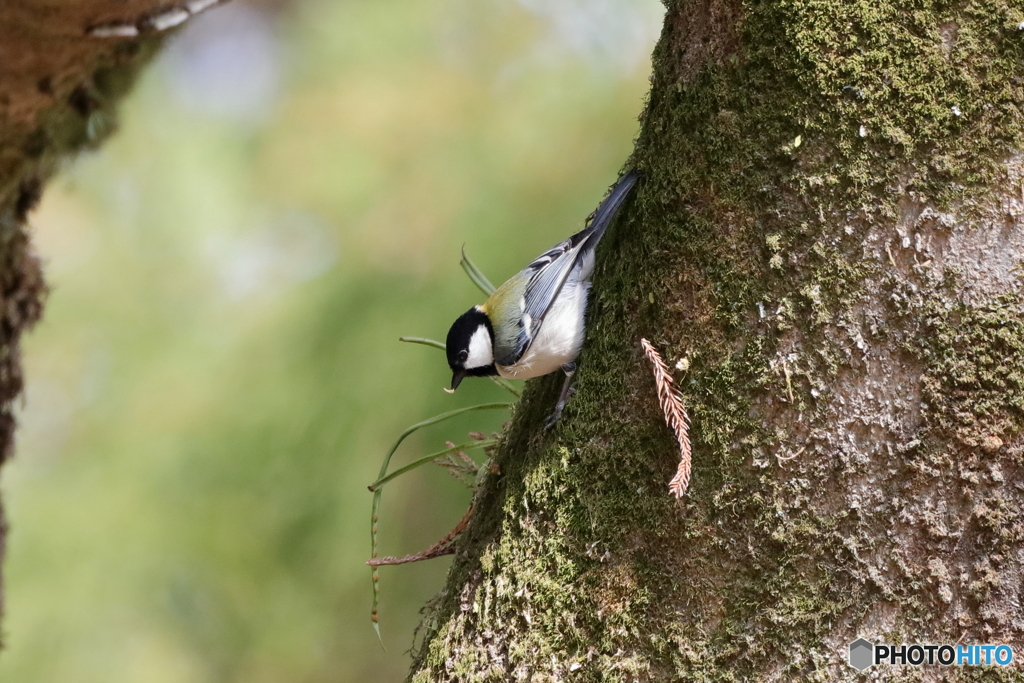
(569, 369)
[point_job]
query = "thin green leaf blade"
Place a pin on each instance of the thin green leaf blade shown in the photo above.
(475, 274)
(507, 386)
(424, 341)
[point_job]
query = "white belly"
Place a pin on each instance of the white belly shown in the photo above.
(559, 339)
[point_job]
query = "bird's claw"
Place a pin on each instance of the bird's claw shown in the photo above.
(563, 398)
(553, 418)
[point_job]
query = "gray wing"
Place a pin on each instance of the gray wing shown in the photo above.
(547, 275)
(544, 278)
(549, 272)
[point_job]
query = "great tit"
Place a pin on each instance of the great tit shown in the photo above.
(533, 324)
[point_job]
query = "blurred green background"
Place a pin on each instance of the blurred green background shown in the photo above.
(218, 376)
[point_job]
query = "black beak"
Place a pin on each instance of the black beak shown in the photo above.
(457, 377)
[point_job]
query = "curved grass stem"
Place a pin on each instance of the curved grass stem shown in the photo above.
(383, 473)
(468, 446)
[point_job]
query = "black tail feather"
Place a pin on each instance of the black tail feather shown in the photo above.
(605, 213)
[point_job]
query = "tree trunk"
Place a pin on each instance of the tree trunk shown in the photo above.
(828, 236)
(58, 88)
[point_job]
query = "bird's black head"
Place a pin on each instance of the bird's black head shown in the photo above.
(470, 346)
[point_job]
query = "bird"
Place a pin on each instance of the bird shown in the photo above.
(534, 323)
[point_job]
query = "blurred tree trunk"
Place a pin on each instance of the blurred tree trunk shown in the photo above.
(827, 246)
(58, 89)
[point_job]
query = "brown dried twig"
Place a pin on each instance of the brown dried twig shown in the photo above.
(445, 546)
(675, 417)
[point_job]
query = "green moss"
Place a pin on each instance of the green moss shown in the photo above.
(974, 379)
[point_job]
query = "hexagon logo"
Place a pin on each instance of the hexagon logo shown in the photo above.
(861, 652)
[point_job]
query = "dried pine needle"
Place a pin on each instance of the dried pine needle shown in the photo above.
(675, 417)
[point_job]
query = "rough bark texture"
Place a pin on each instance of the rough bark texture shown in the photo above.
(830, 232)
(58, 88)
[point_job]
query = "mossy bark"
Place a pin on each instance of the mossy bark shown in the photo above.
(58, 90)
(829, 232)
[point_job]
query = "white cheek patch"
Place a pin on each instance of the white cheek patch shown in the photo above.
(480, 352)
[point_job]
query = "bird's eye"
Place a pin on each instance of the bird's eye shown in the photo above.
(463, 355)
